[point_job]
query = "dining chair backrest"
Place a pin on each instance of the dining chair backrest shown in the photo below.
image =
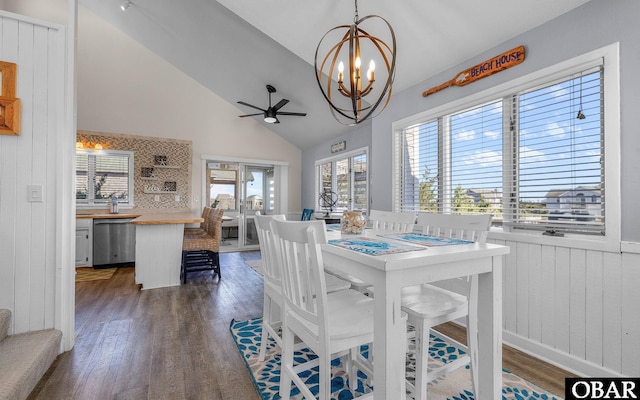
(468, 227)
(268, 250)
(303, 284)
(389, 221)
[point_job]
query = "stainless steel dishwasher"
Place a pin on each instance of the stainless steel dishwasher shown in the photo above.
(114, 242)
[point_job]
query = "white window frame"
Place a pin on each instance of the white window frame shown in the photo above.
(130, 183)
(333, 159)
(607, 56)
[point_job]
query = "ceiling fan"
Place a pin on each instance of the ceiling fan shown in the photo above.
(271, 113)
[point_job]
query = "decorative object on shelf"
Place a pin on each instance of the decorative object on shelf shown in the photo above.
(170, 186)
(160, 160)
(496, 64)
(352, 42)
(338, 147)
(151, 188)
(328, 201)
(9, 104)
(146, 172)
(352, 222)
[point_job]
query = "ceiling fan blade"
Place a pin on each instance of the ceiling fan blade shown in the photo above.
(250, 115)
(251, 105)
(280, 104)
(292, 113)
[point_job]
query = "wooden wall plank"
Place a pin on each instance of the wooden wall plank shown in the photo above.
(55, 108)
(594, 307)
(612, 312)
(522, 289)
(630, 329)
(23, 171)
(39, 122)
(535, 292)
(547, 293)
(8, 194)
(510, 289)
(577, 303)
(561, 307)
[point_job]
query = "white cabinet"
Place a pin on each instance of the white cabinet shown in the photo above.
(84, 242)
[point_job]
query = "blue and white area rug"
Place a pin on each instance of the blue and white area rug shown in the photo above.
(453, 386)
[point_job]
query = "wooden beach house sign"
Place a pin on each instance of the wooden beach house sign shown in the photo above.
(496, 64)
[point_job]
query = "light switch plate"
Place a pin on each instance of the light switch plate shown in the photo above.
(34, 193)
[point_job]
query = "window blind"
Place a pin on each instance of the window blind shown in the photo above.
(417, 152)
(560, 152)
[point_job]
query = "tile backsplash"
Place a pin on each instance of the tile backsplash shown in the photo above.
(162, 167)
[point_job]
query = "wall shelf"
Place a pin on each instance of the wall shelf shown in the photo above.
(167, 166)
(160, 191)
(149, 179)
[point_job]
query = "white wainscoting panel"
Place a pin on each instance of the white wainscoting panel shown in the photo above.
(28, 229)
(575, 307)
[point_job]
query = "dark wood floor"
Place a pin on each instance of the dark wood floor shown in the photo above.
(174, 343)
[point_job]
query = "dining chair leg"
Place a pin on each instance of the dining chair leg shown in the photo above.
(325, 376)
(266, 319)
(286, 363)
(422, 357)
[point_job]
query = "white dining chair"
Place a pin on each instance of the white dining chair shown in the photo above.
(330, 324)
(391, 221)
(272, 282)
(273, 302)
(428, 305)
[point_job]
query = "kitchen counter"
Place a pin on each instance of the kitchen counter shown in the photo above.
(158, 242)
(145, 217)
(167, 218)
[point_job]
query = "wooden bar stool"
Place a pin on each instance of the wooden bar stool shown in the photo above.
(200, 250)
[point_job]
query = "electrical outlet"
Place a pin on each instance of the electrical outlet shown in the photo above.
(177, 197)
(156, 197)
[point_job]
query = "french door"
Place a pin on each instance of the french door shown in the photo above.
(242, 188)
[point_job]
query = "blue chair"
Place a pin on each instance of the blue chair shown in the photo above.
(306, 214)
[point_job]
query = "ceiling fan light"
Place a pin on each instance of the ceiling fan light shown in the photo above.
(270, 120)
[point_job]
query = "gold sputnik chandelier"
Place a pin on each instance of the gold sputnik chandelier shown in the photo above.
(346, 88)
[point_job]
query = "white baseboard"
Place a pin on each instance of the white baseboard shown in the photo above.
(560, 359)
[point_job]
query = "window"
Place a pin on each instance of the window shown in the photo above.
(533, 155)
(103, 174)
(345, 180)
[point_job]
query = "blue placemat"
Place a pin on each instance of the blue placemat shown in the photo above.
(426, 240)
(371, 246)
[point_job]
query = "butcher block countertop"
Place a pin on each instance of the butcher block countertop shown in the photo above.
(145, 217)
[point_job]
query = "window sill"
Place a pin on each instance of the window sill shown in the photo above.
(574, 241)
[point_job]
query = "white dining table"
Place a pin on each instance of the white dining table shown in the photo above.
(389, 273)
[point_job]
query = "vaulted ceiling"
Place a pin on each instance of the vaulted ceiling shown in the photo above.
(236, 47)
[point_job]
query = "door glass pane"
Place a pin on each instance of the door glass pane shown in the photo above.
(223, 184)
(259, 191)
